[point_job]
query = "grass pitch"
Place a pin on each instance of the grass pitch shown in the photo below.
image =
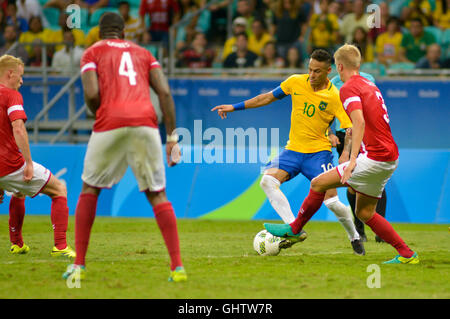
(127, 259)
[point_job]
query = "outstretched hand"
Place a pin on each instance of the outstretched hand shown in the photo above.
(222, 110)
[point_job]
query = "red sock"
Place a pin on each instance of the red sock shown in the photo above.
(16, 216)
(59, 216)
(385, 231)
(167, 223)
(84, 219)
(310, 206)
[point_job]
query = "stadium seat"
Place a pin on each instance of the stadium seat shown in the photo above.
(396, 7)
(95, 16)
(374, 68)
(445, 43)
(134, 3)
(84, 17)
(52, 16)
(435, 31)
(402, 66)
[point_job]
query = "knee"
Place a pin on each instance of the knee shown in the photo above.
(317, 185)
(364, 214)
(269, 182)
(61, 189)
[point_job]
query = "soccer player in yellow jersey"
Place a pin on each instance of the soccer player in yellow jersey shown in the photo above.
(315, 104)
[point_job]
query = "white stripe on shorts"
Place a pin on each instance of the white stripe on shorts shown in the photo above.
(15, 108)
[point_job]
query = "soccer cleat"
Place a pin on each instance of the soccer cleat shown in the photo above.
(66, 252)
(289, 241)
(414, 259)
(358, 247)
(75, 270)
(179, 274)
(363, 237)
(15, 249)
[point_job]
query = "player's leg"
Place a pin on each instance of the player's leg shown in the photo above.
(270, 183)
(59, 215)
(16, 217)
(381, 209)
(365, 210)
(351, 197)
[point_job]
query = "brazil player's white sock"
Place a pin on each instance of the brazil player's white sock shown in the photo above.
(344, 215)
(277, 199)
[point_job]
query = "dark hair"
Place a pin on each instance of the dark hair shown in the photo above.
(322, 55)
(242, 34)
(111, 22)
(393, 19)
(121, 3)
(417, 20)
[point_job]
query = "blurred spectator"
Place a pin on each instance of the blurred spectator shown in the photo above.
(133, 30)
(388, 43)
(58, 35)
(324, 29)
(197, 55)
(384, 17)
(59, 4)
(12, 19)
(68, 58)
(36, 57)
(442, 14)
(335, 8)
(3, 5)
(357, 18)
(270, 58)
(11, 36)
(2, 26)
(293, 59)
(239, 26)
(146, 42)
(31, 8)
(163, 13)
(92, 5)
(432, 59)
(361, 40)
(259, 37)
(242, 58)
(36, 31)
(417, 9)
(414, 44)
(92, 36)
(290, 24)
(218, 30)
(245, 9)
(194, 23)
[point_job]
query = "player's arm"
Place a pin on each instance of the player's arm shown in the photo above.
(91, 90)
(345, 155)
(334, 140)
(21, 138)
(257, 101)
(161, 87)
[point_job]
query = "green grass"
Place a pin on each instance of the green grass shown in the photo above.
(127, 259)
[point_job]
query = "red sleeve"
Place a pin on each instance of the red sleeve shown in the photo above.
(142, 8)
(175, 6)
(153, 62)
(14, 107)
(88, 61)
(350, 98)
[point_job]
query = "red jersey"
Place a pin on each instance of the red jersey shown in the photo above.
(11, 109)
(123, 70)
(378, 143)
(159, 11)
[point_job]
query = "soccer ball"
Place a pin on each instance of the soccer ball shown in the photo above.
(266, 244)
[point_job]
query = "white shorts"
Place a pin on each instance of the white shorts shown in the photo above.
(369, 176)
(110, 153)
(14, 182)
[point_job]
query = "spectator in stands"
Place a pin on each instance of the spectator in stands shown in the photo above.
(2, 26)
(441, 15)
(242, 58)
(289, 24)
(31, 8)
(11, 36)
(197, 55)
(335, 7)
(417, 9)
(163, 13)
(146, 42)
(59, 4)
(357, 18)
(415, 43)
(12, 19)
(270, 57)
(36, 57)
(245, 9)
(293, 59)
(218, 30)
(361, 40)
(67, 60)
(132, 30)
(58, 35)
(432, 59)
(384, 17)
(92, 5)
(194, 23)
(36, 31)
(259, 37)
(388, 44)
(92, 36)
(239, 26)
(324, 29)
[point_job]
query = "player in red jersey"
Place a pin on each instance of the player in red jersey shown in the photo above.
(18, 173)
(116, 76)
(372, 153)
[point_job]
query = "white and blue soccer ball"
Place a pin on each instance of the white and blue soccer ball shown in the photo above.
(266, 244)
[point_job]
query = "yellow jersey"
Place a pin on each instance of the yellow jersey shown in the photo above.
(312, 114)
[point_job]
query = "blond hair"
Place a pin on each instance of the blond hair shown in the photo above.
(349, 56)
(9, 62)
